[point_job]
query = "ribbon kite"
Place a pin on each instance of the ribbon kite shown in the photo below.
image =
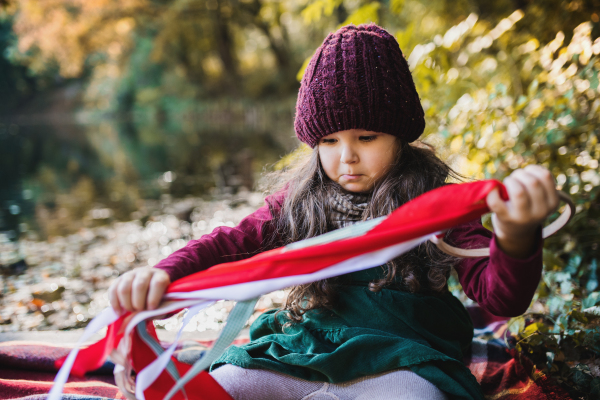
(133, 345)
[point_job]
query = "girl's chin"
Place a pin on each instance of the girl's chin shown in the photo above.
(354, 187)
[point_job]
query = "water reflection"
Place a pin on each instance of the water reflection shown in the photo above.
(57, 177)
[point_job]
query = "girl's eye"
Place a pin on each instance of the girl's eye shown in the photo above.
(328, 141)
(367, 138)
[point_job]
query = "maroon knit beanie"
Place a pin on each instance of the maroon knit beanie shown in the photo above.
(358, 79)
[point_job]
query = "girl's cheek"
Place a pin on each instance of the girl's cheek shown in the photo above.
(384, 166)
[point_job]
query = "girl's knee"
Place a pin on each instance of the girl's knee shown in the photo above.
(260, 384)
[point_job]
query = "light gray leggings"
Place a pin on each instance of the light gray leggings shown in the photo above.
(260, 384)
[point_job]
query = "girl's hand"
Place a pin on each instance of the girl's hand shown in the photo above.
(138, 290)
(532, 198)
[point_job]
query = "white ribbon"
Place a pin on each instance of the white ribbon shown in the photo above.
(249, 290)
(105, 318)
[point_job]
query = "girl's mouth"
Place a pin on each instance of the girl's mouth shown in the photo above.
(351, 177)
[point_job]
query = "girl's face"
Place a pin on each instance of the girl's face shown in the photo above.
(356, 159)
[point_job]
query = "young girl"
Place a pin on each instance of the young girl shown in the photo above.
(391, 332)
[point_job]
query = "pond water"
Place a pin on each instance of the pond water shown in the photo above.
(60, 174)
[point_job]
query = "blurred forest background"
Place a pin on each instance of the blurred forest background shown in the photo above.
(106, 105)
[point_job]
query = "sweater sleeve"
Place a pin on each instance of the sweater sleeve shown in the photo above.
(226, 244)
(501, 284)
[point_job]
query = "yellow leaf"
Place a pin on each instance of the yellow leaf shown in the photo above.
(330, 6)
(486, 221)
(314, 11)
(404, 37)
(533, 328)
(291, 158)
(396, 6)
(365, 14)
(300, 73)
(456, 144)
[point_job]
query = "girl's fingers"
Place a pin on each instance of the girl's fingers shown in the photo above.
(139, 289)
(158, 284)
(536, 208)
(114, 299)
(519, 201)
(495, 203)
(124, 291)
(547, 181)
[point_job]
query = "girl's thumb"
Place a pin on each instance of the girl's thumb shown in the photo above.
(495, 202)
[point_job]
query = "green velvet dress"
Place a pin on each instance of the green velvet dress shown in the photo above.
(367, 333)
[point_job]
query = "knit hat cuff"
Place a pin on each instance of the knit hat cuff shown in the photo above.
(331, 121)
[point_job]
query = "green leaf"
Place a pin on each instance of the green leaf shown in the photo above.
(550, 358)
(592, 283)
(591, 300)
(595, 311)
(543, 291)
(565, 287)
(551, 261)
(501, 88)
(578, 316)
(592, 339)
(562, 323)
(595, 388)
(532, 89)
(521, 102)
(594, 80)
(574, 262)
(555, 304)
(569, 94)
(582, 377)
(516, 325)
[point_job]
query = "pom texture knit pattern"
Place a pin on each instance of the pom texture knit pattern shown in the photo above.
(358, 79)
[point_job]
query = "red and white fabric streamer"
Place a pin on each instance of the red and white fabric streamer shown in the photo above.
(131, 341)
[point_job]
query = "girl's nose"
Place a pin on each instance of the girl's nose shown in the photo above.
(348, 155)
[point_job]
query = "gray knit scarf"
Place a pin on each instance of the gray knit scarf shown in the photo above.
(347, 208)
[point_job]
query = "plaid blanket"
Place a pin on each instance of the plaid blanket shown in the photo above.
(27, 372)
(27, 369)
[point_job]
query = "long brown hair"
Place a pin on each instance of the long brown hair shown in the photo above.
(305, 214)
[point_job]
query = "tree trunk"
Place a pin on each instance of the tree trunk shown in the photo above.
(225, 49)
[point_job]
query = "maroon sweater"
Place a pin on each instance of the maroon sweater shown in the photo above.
(501, 284)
